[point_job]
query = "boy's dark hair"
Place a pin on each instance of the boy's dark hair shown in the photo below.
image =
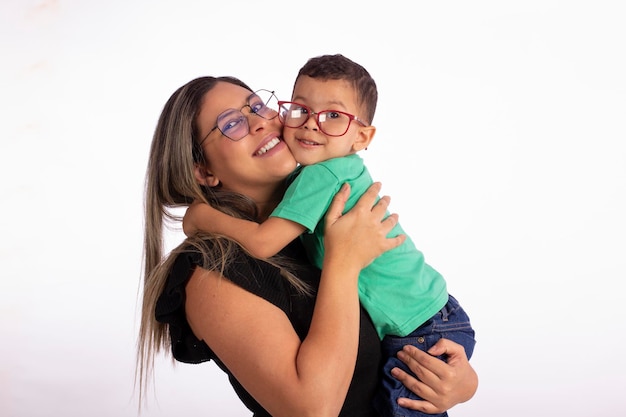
(338, 67)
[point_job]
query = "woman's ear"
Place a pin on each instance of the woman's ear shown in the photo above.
(363, 138)
(204, 177)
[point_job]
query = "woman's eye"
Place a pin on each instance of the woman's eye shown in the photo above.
(232, 124)
(257, 107)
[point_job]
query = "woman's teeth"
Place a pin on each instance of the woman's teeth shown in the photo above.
(269, 145)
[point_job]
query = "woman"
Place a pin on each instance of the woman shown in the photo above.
(293, 341)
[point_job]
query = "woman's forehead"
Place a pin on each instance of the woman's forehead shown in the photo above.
(225, 96)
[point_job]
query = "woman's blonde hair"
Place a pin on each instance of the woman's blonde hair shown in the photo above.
(171, 183)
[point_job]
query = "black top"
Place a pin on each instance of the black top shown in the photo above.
(264, 280)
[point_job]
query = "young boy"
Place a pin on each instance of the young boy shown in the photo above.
(325, 125)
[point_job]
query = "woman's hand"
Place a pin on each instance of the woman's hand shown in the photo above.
(442, 385)
(360, 235)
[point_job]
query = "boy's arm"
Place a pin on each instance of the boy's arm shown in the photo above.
(262, 240)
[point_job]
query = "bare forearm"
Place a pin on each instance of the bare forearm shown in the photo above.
(263, 240)
(332, 342)
(321, 368)
(328, 354)
(243, 231)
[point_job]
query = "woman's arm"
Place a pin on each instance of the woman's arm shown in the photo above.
(258, 344)
(441, 384)
(260, 239)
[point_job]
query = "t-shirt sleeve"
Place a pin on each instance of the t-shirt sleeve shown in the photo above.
(308, 197)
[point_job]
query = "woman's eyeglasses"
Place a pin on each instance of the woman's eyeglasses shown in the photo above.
(234, 124)
(330, 122)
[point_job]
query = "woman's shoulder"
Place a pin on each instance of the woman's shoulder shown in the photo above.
(254, 275)
(225, 257)
(236, 265)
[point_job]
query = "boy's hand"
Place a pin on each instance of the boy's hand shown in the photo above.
(190, 219)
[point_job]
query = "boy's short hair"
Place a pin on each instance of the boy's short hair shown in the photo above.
(338, 67)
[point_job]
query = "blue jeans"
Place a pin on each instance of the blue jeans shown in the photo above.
(451, 322)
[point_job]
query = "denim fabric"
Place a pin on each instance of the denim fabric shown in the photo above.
(451, 322)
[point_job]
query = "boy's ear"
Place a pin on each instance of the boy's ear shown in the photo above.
(204, 177)
(364, 137)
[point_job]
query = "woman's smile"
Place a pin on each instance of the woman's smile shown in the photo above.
(268, 146)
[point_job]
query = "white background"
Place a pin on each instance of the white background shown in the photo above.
(501, 139)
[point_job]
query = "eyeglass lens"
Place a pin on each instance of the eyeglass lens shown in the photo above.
(332, 123)
(234, 124)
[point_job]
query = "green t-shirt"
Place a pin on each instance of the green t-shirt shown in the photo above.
(399, 290)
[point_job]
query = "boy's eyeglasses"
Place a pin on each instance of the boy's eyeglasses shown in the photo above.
(330, 122)
(234, 124)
